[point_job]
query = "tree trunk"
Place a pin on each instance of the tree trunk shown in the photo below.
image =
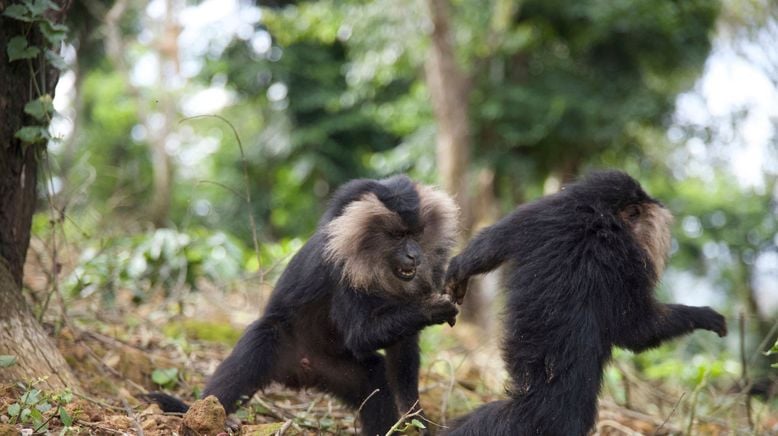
(21, 336)
(167, 48)
(20, 333)
(449, 90)
(161, 163)
(450, 93)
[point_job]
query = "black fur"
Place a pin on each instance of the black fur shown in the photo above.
(317, 331)
(579, 282)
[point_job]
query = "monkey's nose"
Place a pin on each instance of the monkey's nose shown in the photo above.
(409, 261)
(412, 259)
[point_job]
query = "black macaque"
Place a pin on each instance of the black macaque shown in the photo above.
(370, 278)
(581, 267)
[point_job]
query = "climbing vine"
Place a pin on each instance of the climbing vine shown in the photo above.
(39, 58)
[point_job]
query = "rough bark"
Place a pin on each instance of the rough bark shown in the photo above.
(23, 337)
(20, 333)
(18, 170)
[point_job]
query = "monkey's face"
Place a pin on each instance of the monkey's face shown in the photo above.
(645, 218)
(408, 269)
(649, 223)
(405, 257)
(379, 251)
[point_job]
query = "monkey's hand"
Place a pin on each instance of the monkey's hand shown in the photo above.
(455, 285)
(709, 319)
(440, 309)
(456, 291)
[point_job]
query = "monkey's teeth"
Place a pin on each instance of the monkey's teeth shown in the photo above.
(406, 273)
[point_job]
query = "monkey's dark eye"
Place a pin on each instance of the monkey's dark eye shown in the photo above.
(632, 212)
(396, 235)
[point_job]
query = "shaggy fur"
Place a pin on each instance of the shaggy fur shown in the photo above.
(340, 300)
(353, 239)
(356, 239)
(581, 268)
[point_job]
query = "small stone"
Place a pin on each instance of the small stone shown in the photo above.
(204, 417)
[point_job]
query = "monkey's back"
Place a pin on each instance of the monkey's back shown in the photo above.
(568, 273)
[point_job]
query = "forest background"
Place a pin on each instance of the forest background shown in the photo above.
(186, 149)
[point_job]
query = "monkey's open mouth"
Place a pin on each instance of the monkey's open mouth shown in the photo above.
(405, 273)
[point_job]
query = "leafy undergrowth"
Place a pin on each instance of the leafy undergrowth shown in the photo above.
(120, 350)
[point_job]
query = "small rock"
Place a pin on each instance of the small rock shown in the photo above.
(205, 417)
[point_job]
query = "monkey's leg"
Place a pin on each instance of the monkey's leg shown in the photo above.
(362, 385)
(249, 366)
(669, 321)
(402, 371)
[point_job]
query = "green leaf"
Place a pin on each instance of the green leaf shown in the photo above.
(38, 7)
(18, 49)
(418, 424)
(56, 60)
(7, 360)
(32, 134)
(164, 376)
(66, 397)
(40, 108)
(66, 419)
(53, 32)
(31, 397)
(14, 409)
(18, 12)
(25, 415)
(43, 407)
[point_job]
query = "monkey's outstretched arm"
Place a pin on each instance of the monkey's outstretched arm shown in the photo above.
(488, 250)
(369, 324)
(669, 321)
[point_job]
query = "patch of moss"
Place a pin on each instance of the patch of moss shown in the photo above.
(204, 331)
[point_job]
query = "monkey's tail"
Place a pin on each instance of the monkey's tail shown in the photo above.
(167, 403)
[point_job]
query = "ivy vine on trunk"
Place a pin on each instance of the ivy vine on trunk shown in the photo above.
(30, 34)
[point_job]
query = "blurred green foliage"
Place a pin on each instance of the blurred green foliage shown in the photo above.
(337, 91)
(339, 94)
(163, 259)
